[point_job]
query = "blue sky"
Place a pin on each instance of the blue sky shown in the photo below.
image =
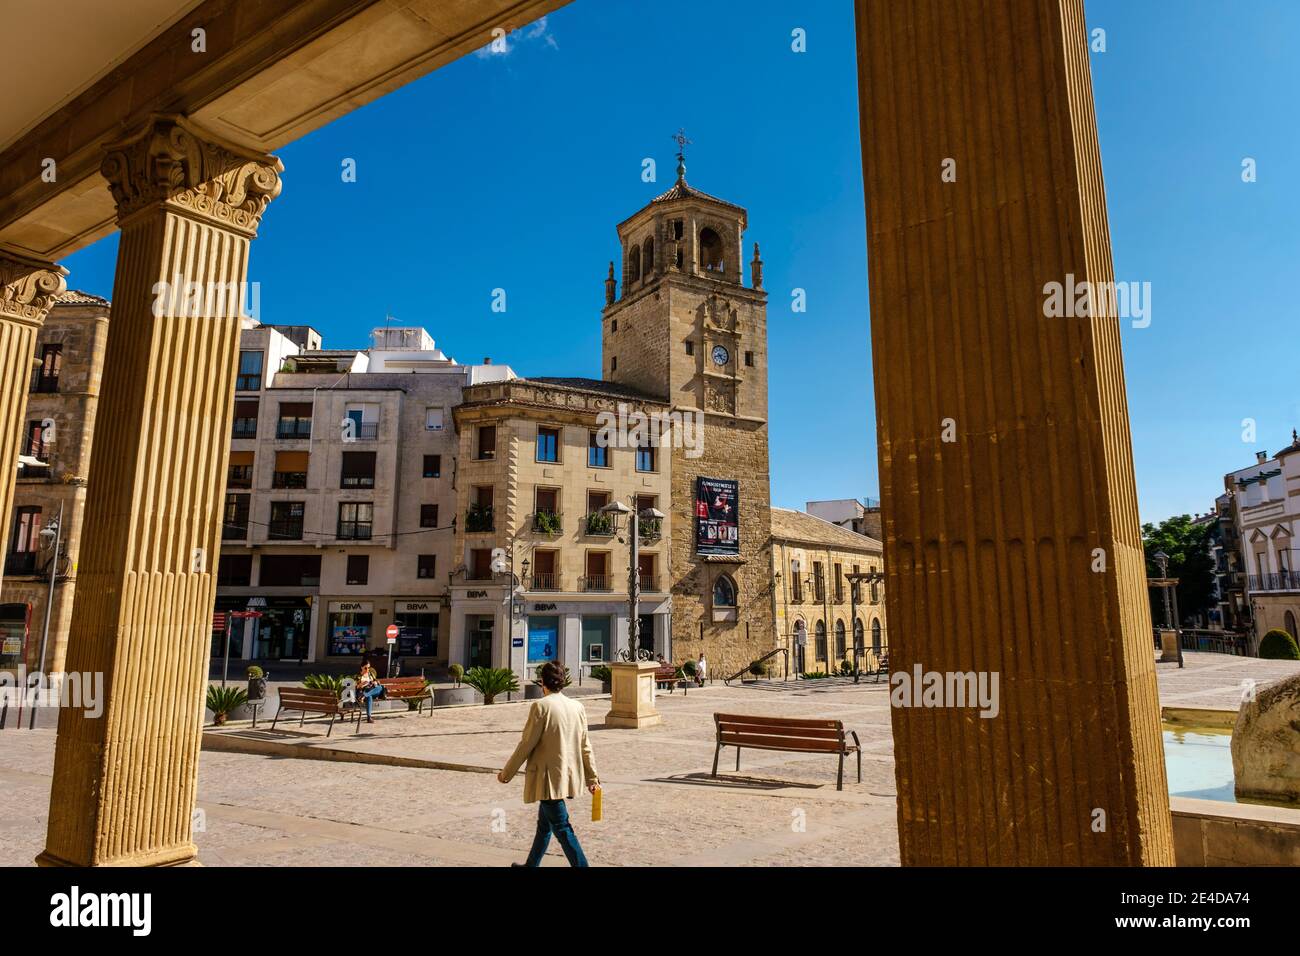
(511, 171)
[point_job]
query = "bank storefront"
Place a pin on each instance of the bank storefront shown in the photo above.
(487, 631)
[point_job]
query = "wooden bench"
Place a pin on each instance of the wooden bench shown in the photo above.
(409, 688)
(799, 735)
(668, 675)
(307, 701)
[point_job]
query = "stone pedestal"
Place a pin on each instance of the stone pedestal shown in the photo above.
(188, 206)
(1168, 646)
(632, 689)
(27, 290)
(1266, 744)
(1012, 543)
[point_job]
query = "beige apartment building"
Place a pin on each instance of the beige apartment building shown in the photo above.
(534, 472)
(53, 468)
(339, 498)
(822, 615)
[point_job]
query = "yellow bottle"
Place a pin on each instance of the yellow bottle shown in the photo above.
(596, 805)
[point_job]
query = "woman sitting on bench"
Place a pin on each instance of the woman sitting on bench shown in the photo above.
(368, 686)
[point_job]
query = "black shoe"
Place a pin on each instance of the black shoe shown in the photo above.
(525, 865)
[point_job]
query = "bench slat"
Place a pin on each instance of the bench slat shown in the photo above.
(776, 721)
(780, 743)
(810, 733)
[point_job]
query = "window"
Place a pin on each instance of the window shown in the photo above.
(487, 443)
(819, 585)
(596, 522)
(724, 592)
(875, 593)
(286, 521)
(646, 572)
(648, 257)
(597, 452)
(711, 251)
(597, 577)
(480, 517)
(613, 363)
(796, 583)
(613, 325)
(544, 565)
(37, 447)
(548, 444)
(426, 565)
(290, 470)
(358, 470)
(432, 466)
(690, 347)
(235, 570)
(428, 516)
(245, 419)
(645, 458)
(362, 423)
(47, 376)
(25, 541)
(356, 520)
(820, 647)
(839, 583)
(235, 518)
(433, 419)
(480, 564)
(840, 649)
(289, 571)
(358, 568)
(596, 637)
(250, 372)
(295, 420)
(240, 472)
(749, 359)
(633, 265)
(875, 636)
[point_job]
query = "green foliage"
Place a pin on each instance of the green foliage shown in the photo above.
(537, 675)
(546, 522)
(758, 668)
(324, 682)
(601, 524)
(847, 668)
(815, 675)
(457, 673)
(491, 681)
(688, 668)
(479, 518)
(223, 700)
(601, 673)
(1188, 547)
(254, 672)
(1278, 645)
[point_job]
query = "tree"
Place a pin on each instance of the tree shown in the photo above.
(1188, 547)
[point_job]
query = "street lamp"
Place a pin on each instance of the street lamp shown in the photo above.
(628, 706)
(53, 534)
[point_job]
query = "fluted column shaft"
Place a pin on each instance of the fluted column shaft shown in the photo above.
(1011, 527)
(124, 783)
(27, 290)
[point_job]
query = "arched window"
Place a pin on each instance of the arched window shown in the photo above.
(858, 634)
(840, 649)
(875, 594)
(875, 636)
(724, 591)
(648, 258)
(633, 265)
(711, 251)
(1290, 625)
(821, 640)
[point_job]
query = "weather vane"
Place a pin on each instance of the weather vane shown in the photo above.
(682, 142)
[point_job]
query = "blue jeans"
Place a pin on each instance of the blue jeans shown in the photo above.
(553, 817)
(370, 694)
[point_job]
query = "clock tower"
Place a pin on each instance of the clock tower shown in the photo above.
(686, 328)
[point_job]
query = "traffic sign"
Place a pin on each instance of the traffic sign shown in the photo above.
(392, 632)
(218, 620)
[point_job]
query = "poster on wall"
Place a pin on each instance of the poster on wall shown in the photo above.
(717, 521)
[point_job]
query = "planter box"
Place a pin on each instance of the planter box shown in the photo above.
(442, 696)
(532, 691)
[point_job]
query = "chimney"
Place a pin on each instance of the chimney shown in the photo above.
(487, 360)
(1261, 456)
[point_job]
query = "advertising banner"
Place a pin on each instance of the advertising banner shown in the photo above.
(717, 521)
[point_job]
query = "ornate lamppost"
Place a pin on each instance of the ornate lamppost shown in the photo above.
(632, 687)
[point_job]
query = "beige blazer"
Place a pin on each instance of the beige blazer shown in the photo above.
(555, 744)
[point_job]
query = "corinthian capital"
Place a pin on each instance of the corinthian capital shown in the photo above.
(28, 287)
(173, 162)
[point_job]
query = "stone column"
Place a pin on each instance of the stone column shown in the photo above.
(1011, 525)
(28, 288)
(187, 205)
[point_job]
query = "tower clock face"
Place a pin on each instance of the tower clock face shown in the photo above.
(720, 355)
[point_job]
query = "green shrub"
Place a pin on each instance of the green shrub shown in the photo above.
(324, 682)
(601, 673)
(1278, 645)
(491, 681)
(223, 700)
(688, 668)
(815, 675)
(457, 673)
(254, 672)
(758, 668)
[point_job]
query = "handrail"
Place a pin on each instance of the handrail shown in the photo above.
(745, 669)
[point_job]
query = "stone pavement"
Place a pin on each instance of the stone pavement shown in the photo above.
(661, 806)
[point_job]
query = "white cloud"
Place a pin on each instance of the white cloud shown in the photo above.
(502, 45)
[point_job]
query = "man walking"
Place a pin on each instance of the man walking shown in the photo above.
(558, 752)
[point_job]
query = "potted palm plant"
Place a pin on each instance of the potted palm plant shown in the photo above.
(492, 681)
(223, 701)
(446, 696)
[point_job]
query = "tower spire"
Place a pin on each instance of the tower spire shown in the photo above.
(682, 142)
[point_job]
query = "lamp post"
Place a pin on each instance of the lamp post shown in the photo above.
(55, 533)
(856, 578)
(1166, 583)
(629, 706)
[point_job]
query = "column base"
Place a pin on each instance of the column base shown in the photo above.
(632, 695)
(187, 855)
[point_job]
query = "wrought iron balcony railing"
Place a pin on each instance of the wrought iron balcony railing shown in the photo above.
(599, 525)
(548, 522)
(595, 582)
(545, 581)
(1276, 581)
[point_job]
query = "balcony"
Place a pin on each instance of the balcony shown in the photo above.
(293, 428)
(544, 581)
(599, 525)
(595, 582)
(20, 562)
(44, 384)
(289, 479)
(235, 532)
(1277, 581)
(651, 529)
(244, 428)
(548, 522)
(361, 431)
(283, 529)
(648, 582)
(479, 519)
(354, 530)
(248, 383)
